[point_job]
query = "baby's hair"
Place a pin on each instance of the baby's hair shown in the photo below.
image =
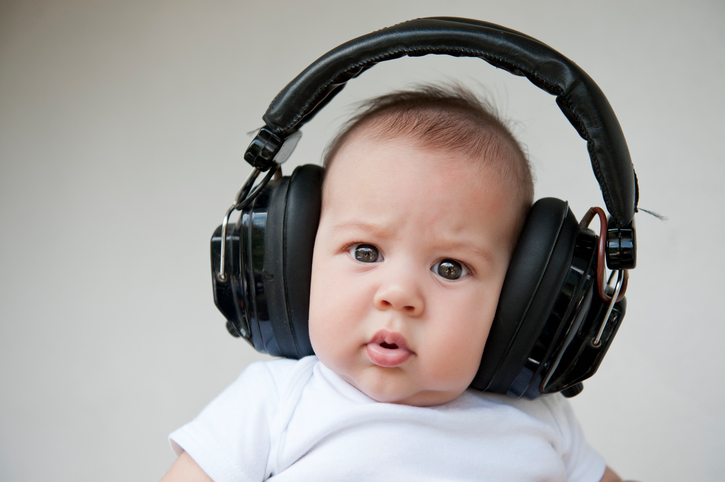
(446, 119)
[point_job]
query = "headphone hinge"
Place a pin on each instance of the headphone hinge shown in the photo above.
(621, 247)
(268, 149)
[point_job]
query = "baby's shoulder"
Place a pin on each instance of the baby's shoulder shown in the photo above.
(553, 410)
(276, 374)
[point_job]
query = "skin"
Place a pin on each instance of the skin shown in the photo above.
(413, 208)
(185, 469)
(392, 215)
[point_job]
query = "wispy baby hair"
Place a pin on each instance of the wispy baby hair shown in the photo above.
(448, 119)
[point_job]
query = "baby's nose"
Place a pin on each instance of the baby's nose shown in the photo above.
(402, 294)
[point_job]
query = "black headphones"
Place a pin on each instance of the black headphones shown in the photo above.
(556, 316)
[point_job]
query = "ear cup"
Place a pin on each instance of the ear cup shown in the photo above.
(304, 201)
(292, 218)
(538, 268)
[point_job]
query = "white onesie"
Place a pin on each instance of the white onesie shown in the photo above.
(290, 420)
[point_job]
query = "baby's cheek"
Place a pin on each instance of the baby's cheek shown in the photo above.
(317, 330)
(457, 363)
(323, 329)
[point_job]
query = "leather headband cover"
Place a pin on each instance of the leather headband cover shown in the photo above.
(579, 98)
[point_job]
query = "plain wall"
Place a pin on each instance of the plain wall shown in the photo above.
(122, 129)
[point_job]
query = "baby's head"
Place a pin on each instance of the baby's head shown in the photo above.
(424, 197)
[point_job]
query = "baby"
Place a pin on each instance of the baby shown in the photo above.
(424, 197)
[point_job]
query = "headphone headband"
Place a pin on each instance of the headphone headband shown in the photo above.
(577, 95)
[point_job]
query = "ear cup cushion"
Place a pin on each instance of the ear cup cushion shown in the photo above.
(304, 201)
(274, 327)
(536, 273)
(293, 213)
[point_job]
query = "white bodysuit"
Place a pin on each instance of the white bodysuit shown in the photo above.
(289, 420)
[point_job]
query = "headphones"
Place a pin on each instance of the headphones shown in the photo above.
(556, 315)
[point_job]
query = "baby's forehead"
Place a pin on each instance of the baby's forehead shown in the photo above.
(403, 159)
(409, 165)
(364, 146)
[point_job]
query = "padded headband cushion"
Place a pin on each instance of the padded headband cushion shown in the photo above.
(577, 95)
(538, 267)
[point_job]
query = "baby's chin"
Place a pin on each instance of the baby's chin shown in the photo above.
(391, 391)
(421, 399)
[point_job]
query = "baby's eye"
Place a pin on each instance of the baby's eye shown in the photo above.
(449, 269)
(366, 253)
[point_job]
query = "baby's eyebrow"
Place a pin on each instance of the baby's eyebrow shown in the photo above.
(478, 250)
(371, 229)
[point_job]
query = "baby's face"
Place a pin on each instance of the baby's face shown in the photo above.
(409, 259)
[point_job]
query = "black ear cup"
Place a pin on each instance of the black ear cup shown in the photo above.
(544, 282)
(265, 295)
(294, 213)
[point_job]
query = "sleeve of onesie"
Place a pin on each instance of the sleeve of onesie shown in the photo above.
(582, 462)
(230, 438)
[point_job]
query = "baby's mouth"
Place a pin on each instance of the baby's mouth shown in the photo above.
(388, 349)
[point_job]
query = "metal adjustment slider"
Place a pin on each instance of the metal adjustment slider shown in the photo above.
(243, 198)
(620, 287)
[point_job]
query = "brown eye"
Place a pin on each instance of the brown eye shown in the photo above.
(365, 253)
(449, 269)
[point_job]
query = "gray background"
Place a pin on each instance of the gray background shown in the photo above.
(122, 126)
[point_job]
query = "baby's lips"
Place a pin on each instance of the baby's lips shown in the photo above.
(393, 354)
(390, 338)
